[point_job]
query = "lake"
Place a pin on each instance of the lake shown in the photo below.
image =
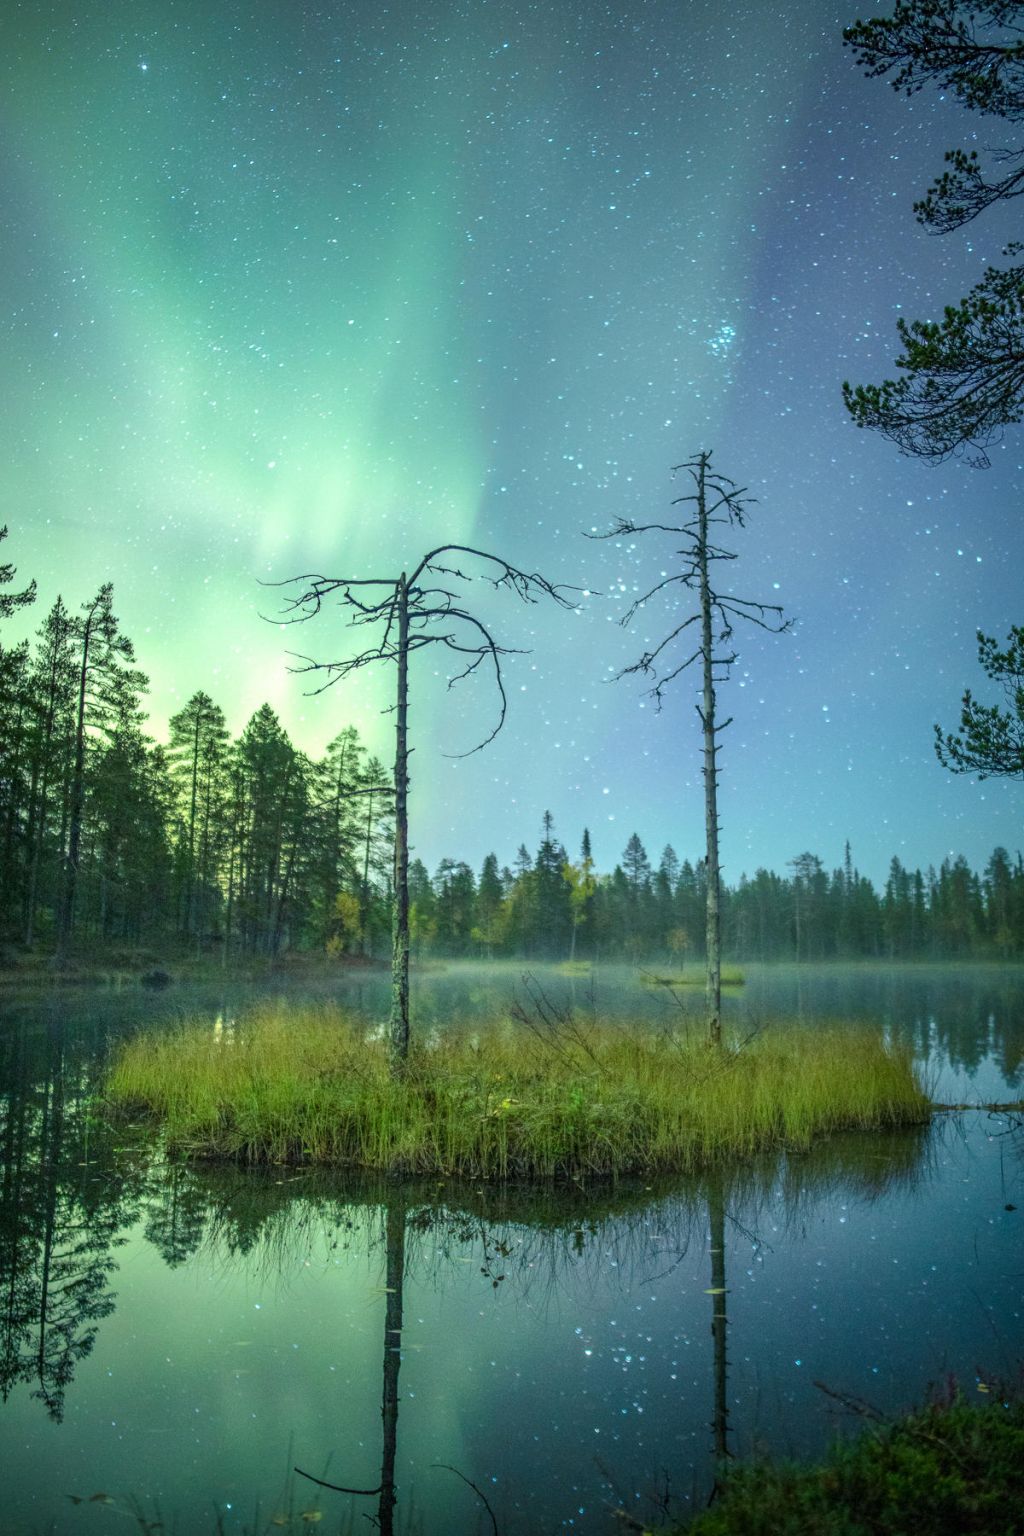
(175, 1341)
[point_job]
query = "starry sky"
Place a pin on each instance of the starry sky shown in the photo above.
(290, 288)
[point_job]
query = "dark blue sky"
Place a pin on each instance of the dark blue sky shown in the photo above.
(295, 288)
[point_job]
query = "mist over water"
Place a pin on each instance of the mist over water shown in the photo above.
(964, 1023)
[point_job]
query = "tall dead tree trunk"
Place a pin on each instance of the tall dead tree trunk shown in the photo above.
(412, 612)
(399, 1033)
(717, 502)
(713, 921)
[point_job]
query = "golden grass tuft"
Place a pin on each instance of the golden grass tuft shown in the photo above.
(308, 1085)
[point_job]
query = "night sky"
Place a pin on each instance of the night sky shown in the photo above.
(295, 288)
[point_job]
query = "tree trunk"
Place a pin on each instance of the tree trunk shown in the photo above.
(67, 906)
(719, 1321)
(11, 769)
(202, 904)
(50, 1144)
(332, 884)
(191, 876)
(394, 1219)
(713, 928)
(399, 1040)
(364, 889)
(229, 912)
(286, 884)
(38, 824)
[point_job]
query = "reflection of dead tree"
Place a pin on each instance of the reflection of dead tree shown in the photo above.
(444, 1467)
(394, 1280)
(394, 1277)
(410, 612)
(719, 1319)
(394, 1223)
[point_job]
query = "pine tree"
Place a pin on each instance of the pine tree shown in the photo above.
(15, 728)
(197, 756)
(582, 885)
(990, 741)
(52, 685)
(107, 690)
(553, 914)
(489, 898)
(962, 376)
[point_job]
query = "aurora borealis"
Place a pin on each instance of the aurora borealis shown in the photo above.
(294, 288)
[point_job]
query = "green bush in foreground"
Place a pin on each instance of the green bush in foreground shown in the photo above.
(308, 1085)
(951, 1469)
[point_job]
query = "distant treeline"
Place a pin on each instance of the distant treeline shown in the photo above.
(549, 905)
(247, 846)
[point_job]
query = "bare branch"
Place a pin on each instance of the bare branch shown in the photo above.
(623, 526)
(655, 692)
(337, 1487)
(639, 602)
(647, 660)
(426, 608)
(444, 1466)
(521, 582)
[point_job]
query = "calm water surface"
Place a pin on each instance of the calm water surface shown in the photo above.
(177, 1340)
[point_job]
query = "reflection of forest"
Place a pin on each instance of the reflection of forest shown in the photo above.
(965, 1013)
(71, 1190)
(62, 1211)
(968, 1020)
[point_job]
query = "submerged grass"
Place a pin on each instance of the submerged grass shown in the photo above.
(307, 1085)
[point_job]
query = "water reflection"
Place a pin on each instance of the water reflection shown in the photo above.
(163, 1329)
(966, 1018)
(719, 1318)
(967, 1021)
(394, 1227)
(541, 1245)
(70, 1197)
(63, 1211)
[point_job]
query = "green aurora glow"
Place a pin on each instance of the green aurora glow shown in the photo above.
(315, 289)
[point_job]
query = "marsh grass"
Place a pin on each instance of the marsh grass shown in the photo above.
(307, 1085)
(952, 1466)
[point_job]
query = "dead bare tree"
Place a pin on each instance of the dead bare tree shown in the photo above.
(717, 501)
(411, 612)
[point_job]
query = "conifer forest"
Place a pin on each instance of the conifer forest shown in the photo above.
(242, 847)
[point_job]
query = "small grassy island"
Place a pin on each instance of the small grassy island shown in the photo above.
(730, 976)
(293, 1084)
